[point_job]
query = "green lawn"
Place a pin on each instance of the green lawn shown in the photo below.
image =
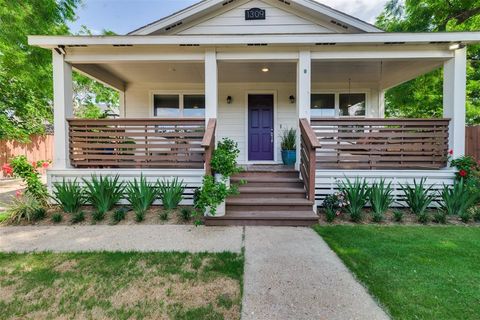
(415, 272)
(121, 286)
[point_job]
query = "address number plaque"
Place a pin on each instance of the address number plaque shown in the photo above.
(255, 14)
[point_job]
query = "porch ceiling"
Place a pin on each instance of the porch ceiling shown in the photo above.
(386, 73)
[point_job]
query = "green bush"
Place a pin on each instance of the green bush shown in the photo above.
(24, 207)
(465, 216)
(119, 214)
(164, 215)
(418, 198)
(78, 217)
(39, 214)
(224, 158)
(356, 197)
(457, 200)
(141, 195)
(398, 215)
(476, 214)
(103, 193)
(57, 217)
(186, 214)
(28, 173)
(212, 194)
(98, 215)
(381, 199)
(68, 195)
(171, 193)
(440, 217)
(423, 217)
(332, 205)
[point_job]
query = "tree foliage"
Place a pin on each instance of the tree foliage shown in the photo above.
(423, 96)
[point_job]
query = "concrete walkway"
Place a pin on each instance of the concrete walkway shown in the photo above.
(290, 273)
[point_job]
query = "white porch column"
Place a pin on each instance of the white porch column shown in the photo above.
(454, 99)
(211, 84)
(63, 109)
(304, 88)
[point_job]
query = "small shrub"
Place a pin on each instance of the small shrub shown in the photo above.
(98, 215)
(141, 195)
(212, 194)
(377, 217)
(171, 193)
(186, 214)
(440, 217)
(423, 217)
(356, 196)
(22, 168)
(24, 207)
(78, 217)
(103, 192)
(457, 200)
(57, 217)
(418, 198)
(332, 205)
(398, 215)
(164, 215)
(119, 214)
(465, 216)
(381, 199)
(39, 214)
(69, 195)
(476, 214)
(224, 158)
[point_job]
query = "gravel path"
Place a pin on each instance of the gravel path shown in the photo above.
(291, 273)
(121, 238)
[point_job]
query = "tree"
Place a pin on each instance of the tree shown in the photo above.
(25, 71)
(423, 96)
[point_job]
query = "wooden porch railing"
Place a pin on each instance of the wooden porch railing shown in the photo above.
(208, 144)
(308, 149)
(353, 143)
(137, 143)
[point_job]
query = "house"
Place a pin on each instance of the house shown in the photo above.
(247, 70)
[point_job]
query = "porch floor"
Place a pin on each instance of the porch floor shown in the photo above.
(273, 195)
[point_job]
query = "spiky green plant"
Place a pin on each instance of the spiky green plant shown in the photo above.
(171, 193)
(25, 207)
(141, 195)
(457, 199)
(356, 196)
(103, 192)
(418, 197)
(381, 199)
(68, 195)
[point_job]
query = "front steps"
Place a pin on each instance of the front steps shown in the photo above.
(271, 197)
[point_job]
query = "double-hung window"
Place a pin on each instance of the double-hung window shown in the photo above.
(181, 105)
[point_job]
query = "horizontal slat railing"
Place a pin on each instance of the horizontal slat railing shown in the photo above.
(137, 143)
(308, 145)
(353, 143)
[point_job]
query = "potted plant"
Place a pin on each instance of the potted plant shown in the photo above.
(210, 197)
(289, 146)
(224, 160)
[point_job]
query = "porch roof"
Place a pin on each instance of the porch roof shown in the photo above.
(383, 38)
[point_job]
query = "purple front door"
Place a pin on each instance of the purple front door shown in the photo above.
(260, 127)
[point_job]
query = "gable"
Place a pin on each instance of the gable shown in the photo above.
(225, 17)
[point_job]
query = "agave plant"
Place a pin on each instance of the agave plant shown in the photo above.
(418, 197)
(171, 193)
(68, 195)
(356, 196)
(103, 193)
(380, 198)
(141, 196)
(457, 200)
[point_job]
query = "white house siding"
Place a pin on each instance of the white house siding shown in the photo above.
(232, 118)
(278, 21)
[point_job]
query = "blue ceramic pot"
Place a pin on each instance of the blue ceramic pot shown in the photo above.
(289, 157)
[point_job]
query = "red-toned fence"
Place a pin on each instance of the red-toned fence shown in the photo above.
(472, 141)
(39, 148)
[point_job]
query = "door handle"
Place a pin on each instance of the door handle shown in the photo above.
(271, 136)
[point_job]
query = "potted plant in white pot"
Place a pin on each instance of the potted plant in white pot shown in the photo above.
(224, 160)
(210, 197)
(289, 146)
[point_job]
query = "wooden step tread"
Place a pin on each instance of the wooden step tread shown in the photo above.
(268, 202)
(266, 179)
(269, 215)
(274, 190)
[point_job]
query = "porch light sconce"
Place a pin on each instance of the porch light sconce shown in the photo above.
(229, 99)
(292, 98)
(456, 46)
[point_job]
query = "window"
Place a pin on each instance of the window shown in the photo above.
(323, 105)
(178, 105)
(352, 105)
(338, 104)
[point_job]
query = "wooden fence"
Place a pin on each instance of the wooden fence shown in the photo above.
(40, 148)
(472, 141)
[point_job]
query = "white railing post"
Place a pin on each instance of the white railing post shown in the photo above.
(211, 85)
(304, 87)
(454, 99)
(63, 109)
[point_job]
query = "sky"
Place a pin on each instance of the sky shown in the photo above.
(123, 16)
